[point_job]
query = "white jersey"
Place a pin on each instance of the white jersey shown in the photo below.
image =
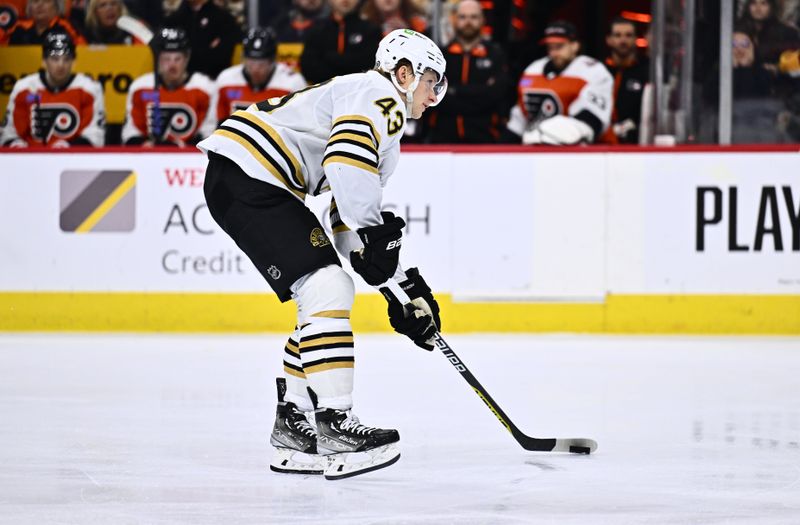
(342, 135)
(583, 90)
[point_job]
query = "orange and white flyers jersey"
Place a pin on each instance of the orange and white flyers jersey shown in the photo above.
(38, 115)
(175, 115)
(583, 90)
(234, 92)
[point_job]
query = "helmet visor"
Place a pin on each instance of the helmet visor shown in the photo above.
(440, 90)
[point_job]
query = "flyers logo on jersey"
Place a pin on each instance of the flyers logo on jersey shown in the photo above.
(541, 103)
(54, 120)
(173, 119)
(8, 16)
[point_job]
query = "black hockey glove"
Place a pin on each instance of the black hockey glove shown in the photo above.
(377, 262)
(421, 323)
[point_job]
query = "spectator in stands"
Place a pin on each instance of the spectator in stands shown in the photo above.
(477, 77)
(293, 23)
(631, 73)
(291, 27)
(238, 10)
(212, 31)
(340, 44)
(258, 78)
(394, 14)
(750, 79)
(565, 98)
(101, 23)
(43, 16)
(756, 104)
(55, 107)
(770, 36)
(177, 106)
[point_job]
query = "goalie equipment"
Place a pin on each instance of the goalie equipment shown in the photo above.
(559, 130)
(294, 439)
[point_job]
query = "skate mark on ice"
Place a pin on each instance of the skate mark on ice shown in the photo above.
(541, 465)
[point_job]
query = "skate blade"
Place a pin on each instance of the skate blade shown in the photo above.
(346, 465)
(288, 461)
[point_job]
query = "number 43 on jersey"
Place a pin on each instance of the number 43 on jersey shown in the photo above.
(387, 104)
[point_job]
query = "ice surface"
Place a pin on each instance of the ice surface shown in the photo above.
(174, 429)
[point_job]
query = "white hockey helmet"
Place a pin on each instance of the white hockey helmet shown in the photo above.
(417, 49)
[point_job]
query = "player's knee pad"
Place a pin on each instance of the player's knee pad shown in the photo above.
(328, 291)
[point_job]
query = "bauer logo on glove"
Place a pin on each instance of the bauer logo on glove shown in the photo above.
(377, 262)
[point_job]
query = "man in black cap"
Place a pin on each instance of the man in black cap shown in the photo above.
(565, 98)
(258, 78)
(55, 107)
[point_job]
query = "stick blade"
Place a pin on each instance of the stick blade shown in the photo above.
(576, 445)
(572, 445)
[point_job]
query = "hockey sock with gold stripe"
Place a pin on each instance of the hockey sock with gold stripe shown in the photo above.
(327, 357)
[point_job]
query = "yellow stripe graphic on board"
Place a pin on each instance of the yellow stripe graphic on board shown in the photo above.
(108, 204)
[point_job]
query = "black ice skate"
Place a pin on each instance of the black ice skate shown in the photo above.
(294, 439)
(353, 448)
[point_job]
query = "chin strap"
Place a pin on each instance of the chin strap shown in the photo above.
(409, 93)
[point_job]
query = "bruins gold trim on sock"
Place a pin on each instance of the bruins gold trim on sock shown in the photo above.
(328, 365)
(292, 371)
(333, 314)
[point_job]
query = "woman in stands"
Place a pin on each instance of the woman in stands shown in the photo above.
(770, 36)
(101, 23)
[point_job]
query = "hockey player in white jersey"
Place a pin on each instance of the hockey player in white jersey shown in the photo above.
(341, 136)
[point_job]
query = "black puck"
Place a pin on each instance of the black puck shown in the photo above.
(580, 450)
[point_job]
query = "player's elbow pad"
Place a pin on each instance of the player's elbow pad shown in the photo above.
(559, 130)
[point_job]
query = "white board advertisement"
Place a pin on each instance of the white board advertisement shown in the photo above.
(482, 226)
(704, 223)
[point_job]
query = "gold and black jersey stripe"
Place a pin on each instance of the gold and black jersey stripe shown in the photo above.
(336, 220)
(353, 141)
(326, 351)
(328, 363)
(266, 145)
(292, 348)
(291, 362)
(326, 341)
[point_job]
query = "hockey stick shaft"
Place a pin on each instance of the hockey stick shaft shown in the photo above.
(575, 445)
(527, 442)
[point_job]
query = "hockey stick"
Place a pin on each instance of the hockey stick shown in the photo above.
(136, 28)
(574, 445)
